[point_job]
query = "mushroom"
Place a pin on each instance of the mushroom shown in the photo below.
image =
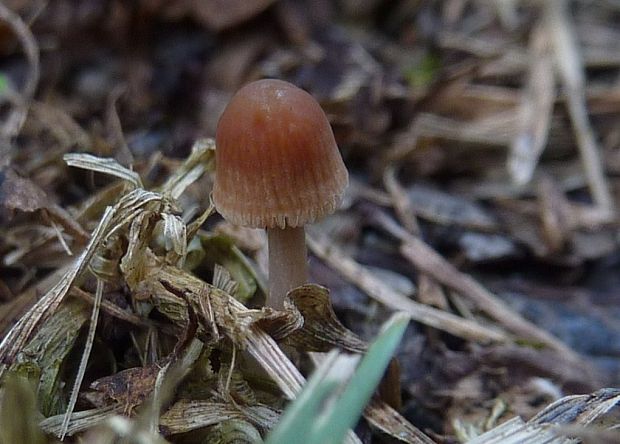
(277, 167)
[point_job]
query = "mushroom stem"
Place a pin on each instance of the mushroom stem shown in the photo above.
(287, 263)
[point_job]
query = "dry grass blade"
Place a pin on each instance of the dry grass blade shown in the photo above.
(446, 209)
(378, 290)
(427, 260)
(101, 165)
(175, 236)
(61, 125)
(111, 309)
(18, 306)
(429, 292)
(80, 421)
(580, 409)
(400, 201)
(236, 321)
(188, 415)
(131, 206)
(200, 160)
(90, 339)
(223, 280)
(50, 346)
(549, 425)
(515, 431)
(571, 72)
(16, 338)
(194, 226)
(61, 239)
(262, 415)
(265, 350)
(134, 262)
(118, 428)
(536, 109)
(114, 218)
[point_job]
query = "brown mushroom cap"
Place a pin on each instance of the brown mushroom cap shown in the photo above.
(277, 161)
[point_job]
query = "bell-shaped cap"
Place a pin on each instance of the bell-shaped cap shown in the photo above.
(277, 162)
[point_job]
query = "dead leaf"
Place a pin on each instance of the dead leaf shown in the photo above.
(130, 387)
(321, 330)
(17, 193)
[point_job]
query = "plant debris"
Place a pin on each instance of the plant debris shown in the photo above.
(482, 143)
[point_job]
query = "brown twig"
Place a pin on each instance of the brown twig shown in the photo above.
(361, 277)
(426, 260)
(429, 292)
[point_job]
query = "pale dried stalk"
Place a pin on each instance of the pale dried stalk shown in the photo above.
(400, 201)
(90, 339)
(188, 415)
(570, 67)
(363, 278)
(17, 307)
(428, 261)
(559, 418)
(265, 350)
(15, 120)
(18, 335)
(429, 292)
(103, 165)
(80, 421)
(535, 110)
(200, 160)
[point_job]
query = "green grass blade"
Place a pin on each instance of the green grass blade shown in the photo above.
(333, 400)
(299, 419)
(362, 385)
